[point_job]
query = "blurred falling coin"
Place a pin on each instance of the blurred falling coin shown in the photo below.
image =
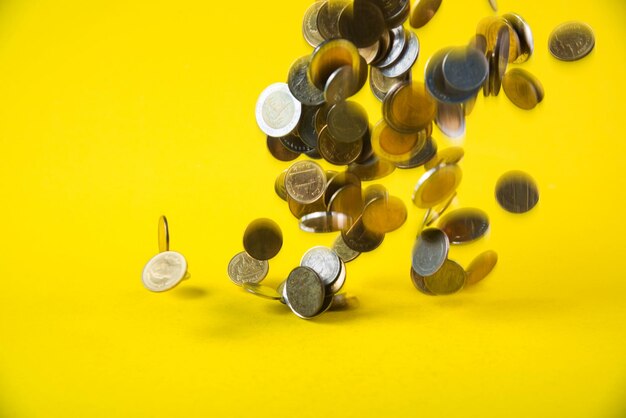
(336, 152)
(300, 85)
(423, 11)
(344, 302)
(262, 239)
(522, 88)
(331, 55)
(163, 234)
(277, 111)
(263, 291)
(279, 186)
(321, 222)
(344, 252)
(347, 121)
(406, 60)
(464, 69)
(426, 153)
(450, 155)
(362, 23)
(517, 192)
(571, 41)
(279, 151)
(524, 36)
(434, 213)
(385, 214)
(408, 107)
(340, 85)
(450, 278)
(430, 251)
(360, 239)
(324, 261)
(310, 30)
(372, 169)
(395, 146)
(481, 266)
(347, 201)
(436, 185)
(464, 225)
(418, 282)
(451, 119)
(380, 84)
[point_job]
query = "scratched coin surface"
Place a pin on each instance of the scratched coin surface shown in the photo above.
(277, 111)
(517, 192)
(430, 251)
(571, 41)
(436, 185)
(299, 84)
(305, 181)
(164, 271)
(304, 292)
(244, 269)
(262, 239)
(450, 278)
(324, 261)
(464, 225)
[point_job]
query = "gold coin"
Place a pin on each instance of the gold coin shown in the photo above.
(299, 209)
(347, 121)
(262, 239)
(408, 107)
(339, 180)
(436, 185)
(331, 55)
(522, 88)
(163, 234)
(450, 155)
(571, 41)
(347, 200)
(395, 146)
(434, 213)
(481, 266)
(422, 11)
(279, 186)
(426, 153)
(384, 215)
(372, 169)
(373, 192)
(335, 152)
(450, 278)
(361, 239)
(524, 36)
(464, 225)
(362, 23)
(305, 181)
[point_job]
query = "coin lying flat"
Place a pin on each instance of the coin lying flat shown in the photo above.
(244, 269)
(481, 266)
(464, 225)
(324, 261)
(304, 292)
(164, 271)
(418, 282)
(436, 185)
(164, 234)
(430, 251)
(464, 69)
(309, 24)
(450, 278)
(517, 192)
(262, 291)
(305, 181)
(571, 41)
(277, 111)
(344, 252)
(262, 239)
(322, 222)
(423, 11)
(522, 88)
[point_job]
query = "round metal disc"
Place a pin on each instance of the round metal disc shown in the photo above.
(164, 271)
(464, 225)
(262, 239)
(304, 292)
(450, 278)
(481, 266)
(436, 185)
(244, 269)
(430, 251)
(517, 192)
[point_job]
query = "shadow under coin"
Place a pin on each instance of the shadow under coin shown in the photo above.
(190, 292)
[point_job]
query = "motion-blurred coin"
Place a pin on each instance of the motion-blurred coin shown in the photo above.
(299, 210)
(328, 19)
(323, 222)
(164, 271)
(304, 292)
(571, 41)
(344, 252)
(406, 60)
(395, 12)
(479, 42)
(408, 107)
(340, 85)
(430, 251)
(450, 155)
(163, 234)
(277, 111)
(522, 88)
(306, 126)
(436, 83)
(279, 186)
(372, 169)
(347, 121)
(501, 58)
(450, 278)
(481, 266)
(494, 5)
(464, 69)
(398, 39)
(309, 24)
(384, 215)
(362, 23)
(294, 144)
(524, 36)
(263, 291)
(370, 53)
(436, 185)
(305, 181)
(464, 225)
(335, 152)
(428, 151)
(299, 84)
(324, 261)
(339, 181)
(360, 239)
(451, 119)
(395, 146)
(517, 192)
(331, 55)
(344, 302)
(418, 282)
(422, 11)
(244, 269)
(380, 85)
(262, 239)
(434, 213)
(279, 151)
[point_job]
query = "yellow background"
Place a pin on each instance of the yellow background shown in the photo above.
(114, 112)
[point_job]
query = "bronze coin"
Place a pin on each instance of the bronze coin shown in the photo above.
(279, 151)
(481, 266)
(262, 239)
(517, 192)
(335, 152)
(328, 18)
(408, 107)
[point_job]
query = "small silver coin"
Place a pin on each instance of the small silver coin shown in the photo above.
(244, 269)
(304, 292)
(324, 261)
(398, 40)
(430, 251)
(418, 282)
(406, 60)
(164, 271)
(277, 111)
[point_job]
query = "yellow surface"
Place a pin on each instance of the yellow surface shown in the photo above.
(112, 113)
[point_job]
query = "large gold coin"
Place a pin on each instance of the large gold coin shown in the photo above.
(408, 107)
(395, 146)
(436, 185)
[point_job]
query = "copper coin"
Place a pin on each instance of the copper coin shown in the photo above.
(481, 266)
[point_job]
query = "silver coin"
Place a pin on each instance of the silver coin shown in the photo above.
(164, 271)
(244, 269)
(304, 292)
(336, 286)
(406, 60)
(345, 253)
(301, 86)
(380, 84)
(262, 291)
(324, 261)
(464, 225)
(281, 291)
(398, 40)
(451, 119)
(277, 111)
(430, 251)
(309, 24)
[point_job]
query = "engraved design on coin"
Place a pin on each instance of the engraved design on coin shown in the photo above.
(277, 111)
(571, 41)
(244, 269)
(324, 262)
(305, 181)
(164, 271)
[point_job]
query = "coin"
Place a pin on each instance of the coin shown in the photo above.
(261, 290)
(464, 69)
(262, 239)
(345, 253)
(384, 44)
(244, 269)
(517, 192)
(408, 108)
(372, 169)
(279, 186)
(430, 251)
(309, 24)
(299, 84)
(450, 278)
(406, 60)
(277, 111)
(464, 225)
(524, 36)
(344, 302)
(305, 181)
(322, 222)
(340, 85)
(481, 266)
(304, 292)
(384, 215)
(423, 11)
(395, 146)
(395, 12)
(494, 5)
(337, 285)
(164, 234)
(347, 121)
(501, 58)
(329, 56)
(450, 155)
(436, 84)
(335, 152)
(380, 85)
(324, 261)
(425, 154)
(571, 41)
(279, 151)
(432, 214)
(360, 239)
(522, 88)
(306, 126)
(398, 38)
(451, 119)
(299, 210)
(436, 185)
(164, 271)
(418, 282)
(328, 18)
(338, 181)
(362, 23)
(293, 143)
